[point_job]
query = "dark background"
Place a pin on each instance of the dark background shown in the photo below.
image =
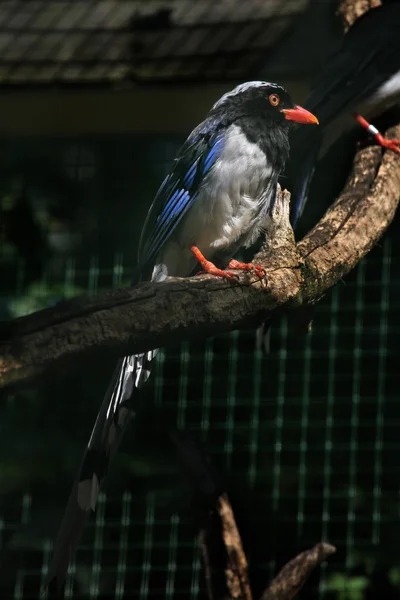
(96, 99)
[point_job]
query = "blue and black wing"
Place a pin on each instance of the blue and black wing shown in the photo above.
(174, 198)
(180, 189)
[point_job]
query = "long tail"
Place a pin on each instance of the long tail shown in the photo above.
(263, 337)
(301, 172)
(115, 414)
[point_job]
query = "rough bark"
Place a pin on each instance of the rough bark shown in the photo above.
(236, 573)
(295, 573)
(350, 10)
(156, 314)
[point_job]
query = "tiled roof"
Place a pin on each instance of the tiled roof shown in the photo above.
(125, 41)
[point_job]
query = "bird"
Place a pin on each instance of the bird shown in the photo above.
(219, 194)
(362, 79)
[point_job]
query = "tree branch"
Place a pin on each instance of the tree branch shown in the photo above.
(156, 314)
(295, 573)
(216, 522)
(224, 559)
(236, 572)
(351, 10)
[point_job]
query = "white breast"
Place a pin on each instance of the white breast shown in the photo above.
(231, 206)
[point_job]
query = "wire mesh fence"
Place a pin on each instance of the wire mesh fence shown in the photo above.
(305, 438)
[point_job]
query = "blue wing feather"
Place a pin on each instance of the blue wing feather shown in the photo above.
(180, 188)
(213, 153)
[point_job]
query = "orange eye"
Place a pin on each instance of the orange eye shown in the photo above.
(274, 99)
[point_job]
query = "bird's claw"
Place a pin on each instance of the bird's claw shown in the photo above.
(259, 271)
(231, 276)
(393, 145)
(213, 270)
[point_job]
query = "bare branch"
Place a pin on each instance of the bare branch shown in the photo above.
(208, 568)
(295, 573)
(215, 519)
(237, 577)
(355, 222)
(156, 314)
(219, 537)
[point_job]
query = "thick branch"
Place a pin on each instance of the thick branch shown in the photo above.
(156, 314)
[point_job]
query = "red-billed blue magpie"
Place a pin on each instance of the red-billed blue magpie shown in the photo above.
(362, 77)
(216, 199)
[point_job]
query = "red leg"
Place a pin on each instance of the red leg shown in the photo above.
(210, 268)
(382, 141)
(235, 264)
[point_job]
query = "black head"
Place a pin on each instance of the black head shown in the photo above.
(263, 99)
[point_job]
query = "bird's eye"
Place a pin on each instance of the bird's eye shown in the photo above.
(274, 99)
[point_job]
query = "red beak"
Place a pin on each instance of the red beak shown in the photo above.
(300, 115)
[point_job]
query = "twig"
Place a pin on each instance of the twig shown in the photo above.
(216, 522)
(211, 501)
(205, 552)
(237, 577)
(294, 574)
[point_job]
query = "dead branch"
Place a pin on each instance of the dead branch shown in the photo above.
(237, 578)
(216, 523)
(224, 560)
(294, 574)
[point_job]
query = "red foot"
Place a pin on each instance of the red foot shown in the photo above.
(382, 141)
(235, 264)
(389, 144)
(209, 267)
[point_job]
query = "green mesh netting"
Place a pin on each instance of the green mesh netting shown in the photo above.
(306, 440)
